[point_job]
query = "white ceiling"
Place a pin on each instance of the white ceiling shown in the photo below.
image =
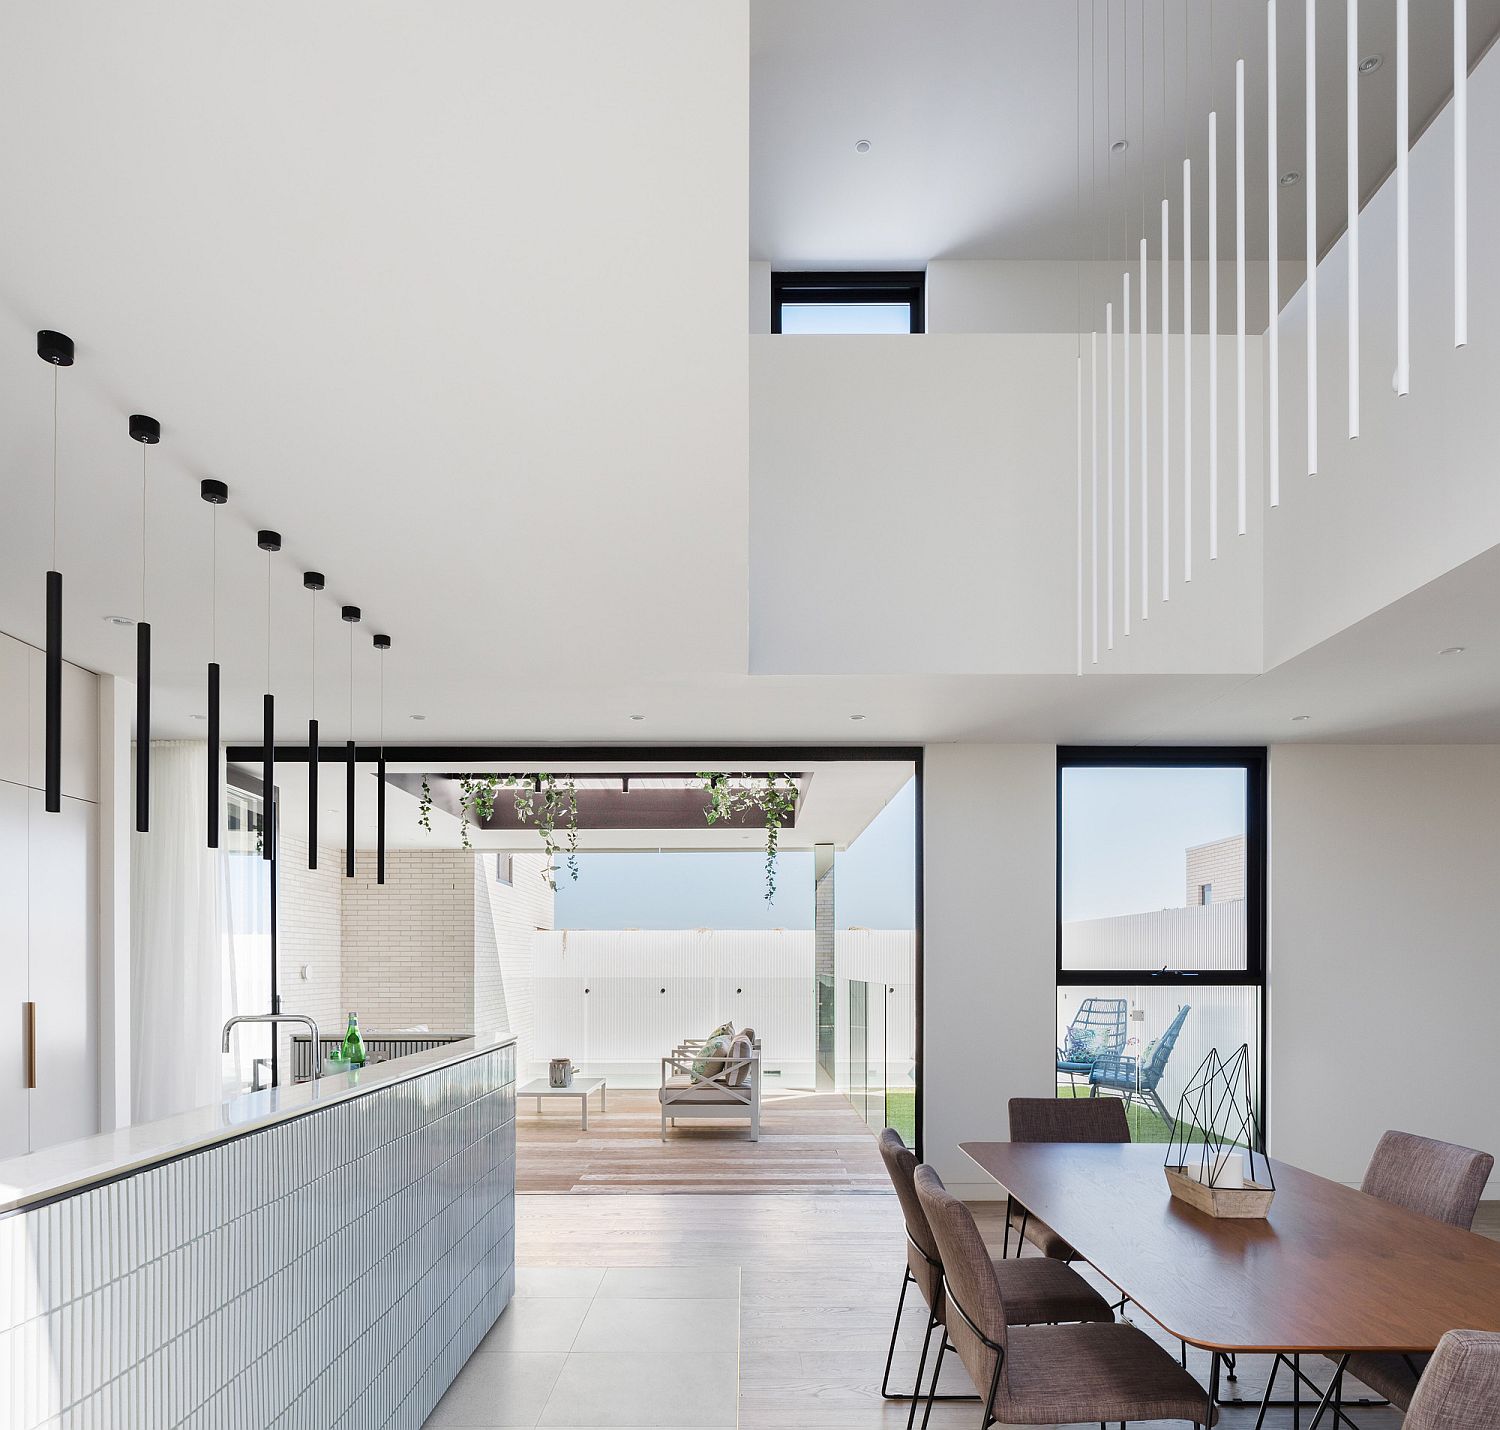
(972, 113)
(386, 270)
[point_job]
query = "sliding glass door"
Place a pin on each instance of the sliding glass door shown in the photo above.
(1161, 923)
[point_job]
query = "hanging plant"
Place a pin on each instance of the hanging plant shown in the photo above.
(543, 800)
(774, 797)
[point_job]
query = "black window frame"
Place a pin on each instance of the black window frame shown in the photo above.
(1252, 759)
(873, 286)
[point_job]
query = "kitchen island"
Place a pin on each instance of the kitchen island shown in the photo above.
(321, 1255)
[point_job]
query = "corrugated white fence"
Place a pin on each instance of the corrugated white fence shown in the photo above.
(616, 1000)
(1201, 936)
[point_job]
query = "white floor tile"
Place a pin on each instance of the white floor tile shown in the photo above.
(537, 1323)
(696, 1390)
(557, 1280)
(499, 1391)
(621, 1323)
(679, 1283)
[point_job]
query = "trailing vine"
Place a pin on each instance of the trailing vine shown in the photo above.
(774, 797)
(543, 800)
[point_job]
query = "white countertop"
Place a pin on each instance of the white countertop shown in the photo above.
(73, 1166)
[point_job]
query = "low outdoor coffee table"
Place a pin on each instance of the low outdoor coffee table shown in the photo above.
(580, 1088)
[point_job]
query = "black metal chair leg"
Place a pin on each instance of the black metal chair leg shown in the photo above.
(1021, 1235)
(1296, 1392)
(1231, 1363)
(937, 1370)
(1213, 1387)
(1009, 1211)
(916, 1390)
(890, 1355)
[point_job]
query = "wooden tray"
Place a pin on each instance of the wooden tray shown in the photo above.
(1248, 1202)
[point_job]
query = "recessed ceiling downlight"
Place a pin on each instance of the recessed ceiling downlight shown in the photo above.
(120, 620)
(1119, 146)
(862, 146)
(416, 717)
(1291, 177)
(637, 717)
(1453, 650)
(1297, 718)
(1371, 63)
(856, 717)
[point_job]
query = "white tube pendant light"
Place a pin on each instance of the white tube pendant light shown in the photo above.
(1460, 173)
(1403, 202)
(1145, 441)
(1094, 508)
(1351, 169)
(1187, 370)
(1166, 405)
(1273, 305)
(1213, 336)
(1125, 445)
(1310, 183)
(1109, 472)
(1239, 289)
(1078, 374)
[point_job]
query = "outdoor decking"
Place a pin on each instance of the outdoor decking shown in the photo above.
(809, 1142)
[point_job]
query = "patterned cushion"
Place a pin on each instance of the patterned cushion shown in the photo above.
(724, 1030)
(710, 1061)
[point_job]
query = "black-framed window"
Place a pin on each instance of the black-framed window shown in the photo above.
(876, 302)
(1153, 971)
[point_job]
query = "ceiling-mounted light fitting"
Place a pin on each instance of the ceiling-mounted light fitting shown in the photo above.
(1371, 63)
(382, 644)
(1453, 650)
(215, 493)
(57, 350)
(313, 581)
(1119, 146)
(269, 542)
(862, 146)
(349, 614)
(146, 431)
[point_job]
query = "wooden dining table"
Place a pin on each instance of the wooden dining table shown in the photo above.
(1329, 1270)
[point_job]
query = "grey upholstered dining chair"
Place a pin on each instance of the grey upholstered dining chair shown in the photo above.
(1460, 1389)
(1438, 1179)
(1057, 1119)
(1036, 1291)
(1031, 1375)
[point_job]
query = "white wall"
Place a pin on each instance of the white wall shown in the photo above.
(908, 497)
(760, 296)
(1416, 494)
(506, 920)
(1384, 974)
(990, 870)
(1042, 296)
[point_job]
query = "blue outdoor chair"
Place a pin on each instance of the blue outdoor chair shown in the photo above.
(1119, 1074)
(1097, 1029)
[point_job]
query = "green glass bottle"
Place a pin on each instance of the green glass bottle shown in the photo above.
(353, 1049)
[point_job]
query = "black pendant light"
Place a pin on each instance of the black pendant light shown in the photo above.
(57, 349)
(314, 582)
(382, 644)
(215, 494)
(269, 542)
(146, 431)
(350, 614)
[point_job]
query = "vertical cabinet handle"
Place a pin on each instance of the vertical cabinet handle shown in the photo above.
(29, 1017)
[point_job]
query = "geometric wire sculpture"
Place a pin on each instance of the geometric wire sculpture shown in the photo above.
(1216, 1105)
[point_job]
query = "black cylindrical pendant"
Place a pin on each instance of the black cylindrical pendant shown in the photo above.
(54, 692)
(312, 794)
(267, 773)
(380, 820)
(143, 727)
(349, 810)
(213, 754)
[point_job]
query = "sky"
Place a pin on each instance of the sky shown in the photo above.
(1126, 832)
(873, 880)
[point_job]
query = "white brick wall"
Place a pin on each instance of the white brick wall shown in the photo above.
(408, 946)
(310, 911)
(506, 918)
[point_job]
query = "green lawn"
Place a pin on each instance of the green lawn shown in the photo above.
(901, 1112)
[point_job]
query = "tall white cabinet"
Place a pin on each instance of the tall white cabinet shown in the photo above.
(49, 1028)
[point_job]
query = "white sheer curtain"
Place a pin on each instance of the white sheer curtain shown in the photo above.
(176, 941)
